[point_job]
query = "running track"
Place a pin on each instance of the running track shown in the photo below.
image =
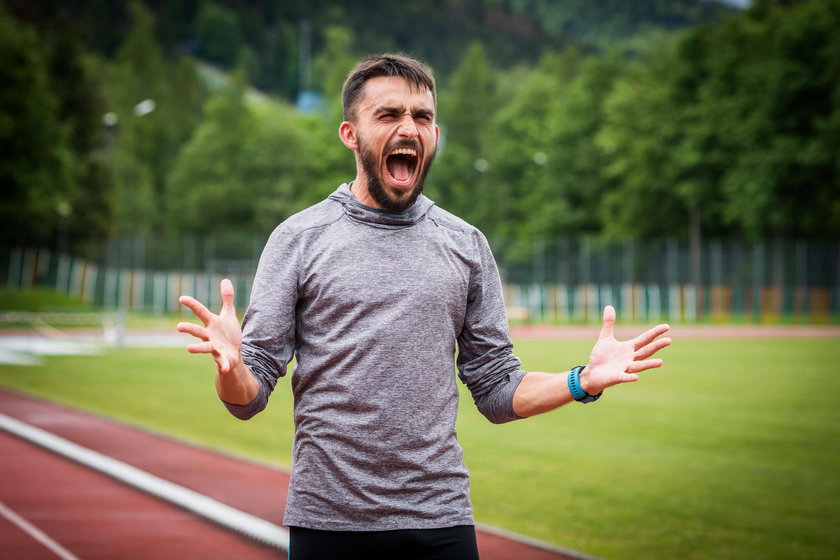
(52, 507)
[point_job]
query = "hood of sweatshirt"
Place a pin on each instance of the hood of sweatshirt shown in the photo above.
(380, 218)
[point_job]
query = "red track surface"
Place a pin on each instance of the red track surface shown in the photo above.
(95, 517)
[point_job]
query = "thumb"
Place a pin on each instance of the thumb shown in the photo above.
(609, 322)
(224, 363)
(227, 296)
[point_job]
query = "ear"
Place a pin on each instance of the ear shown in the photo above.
(347, 133)
(437, 135)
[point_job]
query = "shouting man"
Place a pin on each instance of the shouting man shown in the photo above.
(372, 291)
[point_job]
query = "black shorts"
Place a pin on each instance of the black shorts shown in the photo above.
(451, 543)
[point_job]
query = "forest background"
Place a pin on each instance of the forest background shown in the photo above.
(655, 119)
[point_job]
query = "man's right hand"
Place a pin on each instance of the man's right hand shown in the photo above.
(221, 334)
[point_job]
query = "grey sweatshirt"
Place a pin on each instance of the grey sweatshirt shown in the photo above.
(371, 305)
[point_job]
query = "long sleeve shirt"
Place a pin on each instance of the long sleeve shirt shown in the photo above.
(372, 305)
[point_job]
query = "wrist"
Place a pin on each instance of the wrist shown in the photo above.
(579, 391)
(585, 382)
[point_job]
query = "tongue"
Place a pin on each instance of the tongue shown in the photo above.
(398, 168)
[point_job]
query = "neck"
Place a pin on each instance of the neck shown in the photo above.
(359, 189)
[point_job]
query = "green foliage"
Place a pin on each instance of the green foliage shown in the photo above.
(245, 168)
(52, 184)
(33, 148)
(465, 111)
(518, 135)
(546, 154)
(729, 129)
(610, 21)
(650, 156)
(217, 31)
(775, 81)
(334, 62)
(38, 299)
(144, 144)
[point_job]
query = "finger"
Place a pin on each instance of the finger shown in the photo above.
(650, 335)
(651, 349)
(193, 329)
(200, 348)
(196, 307)
(227, 296)
(643, 365)
(609, 322)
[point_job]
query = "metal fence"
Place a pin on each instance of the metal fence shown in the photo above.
(570, 280)
(557, 281)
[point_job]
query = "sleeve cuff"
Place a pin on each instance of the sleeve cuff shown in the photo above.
(246, 411)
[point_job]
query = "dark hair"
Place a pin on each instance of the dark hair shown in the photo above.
(388, 65)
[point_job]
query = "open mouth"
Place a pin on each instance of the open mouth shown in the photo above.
(401, 164)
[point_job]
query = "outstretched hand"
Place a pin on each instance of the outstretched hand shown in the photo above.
(612, 362)
(221, 334)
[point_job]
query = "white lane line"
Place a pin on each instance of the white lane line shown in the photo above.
(36, 533)
(249, 525)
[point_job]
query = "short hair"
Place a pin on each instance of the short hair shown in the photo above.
(416, 73)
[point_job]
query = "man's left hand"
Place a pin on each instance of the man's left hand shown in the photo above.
(612, 362)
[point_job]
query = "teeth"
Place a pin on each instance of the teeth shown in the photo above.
(405, 152)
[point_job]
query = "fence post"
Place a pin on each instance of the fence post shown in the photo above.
(835, 304)
(29, 261)
(62, 274)
(802, 276)
(758, 277)
(672, 270)
(89, 287)
(15, 268)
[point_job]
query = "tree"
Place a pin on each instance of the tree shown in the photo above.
(245, 168)
(157, 104)
(35, 152)
(86, 209)
(335, 61)
(531, 145)
(567, 196)
(774, 79)
(655, 153)
(465, 111)
(217, 31)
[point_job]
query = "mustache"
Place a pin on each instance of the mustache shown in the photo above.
(404, 144)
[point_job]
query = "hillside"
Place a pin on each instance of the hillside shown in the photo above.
(267, 35)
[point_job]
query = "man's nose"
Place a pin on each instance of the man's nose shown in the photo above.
(408, 128)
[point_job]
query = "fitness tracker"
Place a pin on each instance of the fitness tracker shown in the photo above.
(577, 391)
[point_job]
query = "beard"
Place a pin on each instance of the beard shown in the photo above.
(383, 195)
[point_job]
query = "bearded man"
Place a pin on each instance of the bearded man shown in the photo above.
(372, 291)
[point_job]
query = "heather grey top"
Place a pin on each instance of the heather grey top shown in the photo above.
(371, 305)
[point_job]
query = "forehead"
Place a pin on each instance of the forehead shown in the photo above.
(395, 92)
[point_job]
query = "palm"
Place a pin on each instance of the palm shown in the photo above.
(221, 334)
(610, 359)
(225, 333)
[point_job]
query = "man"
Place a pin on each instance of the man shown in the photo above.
(371, 291)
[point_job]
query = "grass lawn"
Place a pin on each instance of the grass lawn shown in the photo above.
(40, 299)
(731, 451)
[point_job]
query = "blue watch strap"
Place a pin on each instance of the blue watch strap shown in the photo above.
(576, 390)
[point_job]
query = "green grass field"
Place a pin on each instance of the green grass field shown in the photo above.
(731, 451)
